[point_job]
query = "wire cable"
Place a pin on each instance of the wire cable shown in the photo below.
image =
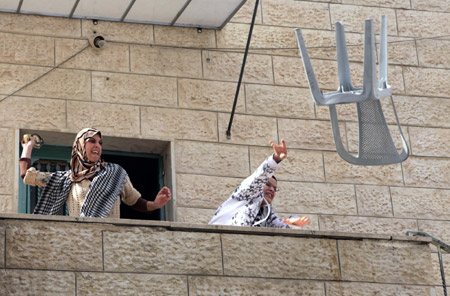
(42, 75)
(411, 39)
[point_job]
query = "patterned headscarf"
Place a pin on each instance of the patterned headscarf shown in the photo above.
(80, 166)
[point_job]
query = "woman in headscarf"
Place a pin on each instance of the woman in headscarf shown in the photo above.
(91, 188)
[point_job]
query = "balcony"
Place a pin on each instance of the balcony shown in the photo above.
(51, 255)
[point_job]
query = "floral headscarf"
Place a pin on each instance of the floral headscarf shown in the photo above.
(80, 166)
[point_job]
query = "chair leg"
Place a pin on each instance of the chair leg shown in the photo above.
(383, 75)
(345, 80)
(370, 70)
(312, 80)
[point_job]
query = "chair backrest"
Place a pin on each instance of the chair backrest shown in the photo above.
(376, 146)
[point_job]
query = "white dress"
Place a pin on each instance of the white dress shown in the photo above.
(243, 207)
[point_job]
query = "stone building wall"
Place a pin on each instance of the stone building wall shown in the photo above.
(175, 84)
(124, 257)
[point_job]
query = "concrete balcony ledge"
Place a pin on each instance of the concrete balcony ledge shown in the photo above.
(177, 226)
(52, 255)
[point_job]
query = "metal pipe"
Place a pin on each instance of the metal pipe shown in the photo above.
(242, 69)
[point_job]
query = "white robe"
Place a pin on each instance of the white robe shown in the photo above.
(243, 207)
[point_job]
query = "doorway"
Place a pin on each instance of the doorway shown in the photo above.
(144, 169)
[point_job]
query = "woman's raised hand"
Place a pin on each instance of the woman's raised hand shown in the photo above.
(280, 151)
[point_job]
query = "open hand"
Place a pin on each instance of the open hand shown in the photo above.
(163, 196)
(280, 151)
(303, 221)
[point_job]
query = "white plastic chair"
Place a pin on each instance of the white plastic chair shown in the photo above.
(376, 146)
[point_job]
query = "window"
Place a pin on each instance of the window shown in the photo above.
(146, 171)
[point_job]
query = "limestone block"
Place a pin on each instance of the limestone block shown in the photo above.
(184, 37)
(18, 76)
(290, 257)
(427, 172)
(227, 66)
(347, 112)
(279, 101)
(430, 141)
(119, 31)
(245, 13)
(292, 13)
(438, 229)
(40, 25)
(90, 283)
(209, 95)
(437, 279)
(401, 51)
(381, 3)
(67, 246)
(435, 5)
(235, 286)
(424, 203)
(373, 289)
(307, 134)
(265, 39)
(29, 282)
(63, 84)
(6, 168)
(322, 45)
(42, 113)
(300, 165)
(372, 225)
(385, 261)
(290, 71)
(113, 118)
(134, 89)
(338, 170)
(410, 111)
(7, 202)
(415, 23)
(211, 194)
(320, 198)
(111, 57)
(166, 61)
(438, 290)
(195, 215)
(179, 123)
(434, 53)
(352, 131)
(248, 129)
(153, 250)
(26, 49)
(354, 17)
(374, 201)
(426, 81)
(212, 159)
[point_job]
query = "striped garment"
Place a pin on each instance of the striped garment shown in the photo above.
(103, 192)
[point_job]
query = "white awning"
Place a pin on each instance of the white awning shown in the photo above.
(209, 14)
